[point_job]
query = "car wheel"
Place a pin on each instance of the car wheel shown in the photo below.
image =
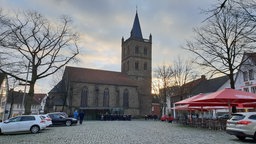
(241, 137)
(68, 123)
(254, 137)
(1, 132)
(34, 129)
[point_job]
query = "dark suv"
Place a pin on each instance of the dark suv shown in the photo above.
(60, 118)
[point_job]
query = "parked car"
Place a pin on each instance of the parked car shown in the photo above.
(48, 120)
(224, 116)
(242, 125)
(23, 123)
(58, 118)
(167, 118)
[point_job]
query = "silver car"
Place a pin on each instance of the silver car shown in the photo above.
(242, 125)
(23, 123)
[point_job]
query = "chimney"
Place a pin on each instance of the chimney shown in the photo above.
(203, 77)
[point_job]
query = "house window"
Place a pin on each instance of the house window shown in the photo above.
(145, 51)
(145, 66)
(245, 75)
(136, 50)
(253, 89)
(106, 98)
(84, 97)
(251, 75)
(246, 89)
(136, 65)
(126, 98)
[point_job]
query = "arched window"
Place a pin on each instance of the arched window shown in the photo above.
(106, 98)
(84, 97)
(126, 98)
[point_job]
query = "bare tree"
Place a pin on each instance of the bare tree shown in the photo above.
(220, 44)
(33, 48)
(183, 71)
(163, 76)
(169, 79)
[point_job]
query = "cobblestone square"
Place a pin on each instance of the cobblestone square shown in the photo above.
(124, 132)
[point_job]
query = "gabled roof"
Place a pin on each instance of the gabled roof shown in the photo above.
(18, 97)
(210, 85)
(136, 30)
(252, 56)
(95, 76)
(58, 88)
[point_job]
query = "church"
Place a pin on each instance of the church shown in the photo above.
(97, 92)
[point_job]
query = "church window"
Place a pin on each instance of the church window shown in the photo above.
(96, 97)
(136, 65)
(84, 97)
(126, 98)
(136, 50)
(145, 66)
(106, 98)
(145, 51)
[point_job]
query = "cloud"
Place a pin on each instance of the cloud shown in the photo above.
(102, 23)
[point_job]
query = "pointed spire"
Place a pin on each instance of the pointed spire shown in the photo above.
(136, 31)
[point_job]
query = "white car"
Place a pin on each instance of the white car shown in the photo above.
(23, 123)
(242, 125)
(48, 120)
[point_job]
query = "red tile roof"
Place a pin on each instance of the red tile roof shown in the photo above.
(87, 75)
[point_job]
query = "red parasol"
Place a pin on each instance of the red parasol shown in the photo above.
(229, 97)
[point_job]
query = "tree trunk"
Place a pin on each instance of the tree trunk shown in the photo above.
(29, 99)
(232, 81)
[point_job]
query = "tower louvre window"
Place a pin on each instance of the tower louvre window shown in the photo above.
(145, 66)
(136, 65)
(136, 50)
(145, 51)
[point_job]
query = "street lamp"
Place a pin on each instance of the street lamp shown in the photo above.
(24, 94)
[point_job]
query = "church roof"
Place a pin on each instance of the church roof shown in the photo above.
(136, 30)
(77, 74)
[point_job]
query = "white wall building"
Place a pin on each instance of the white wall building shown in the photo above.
(245, 79)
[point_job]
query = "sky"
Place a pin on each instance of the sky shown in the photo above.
(102, 23)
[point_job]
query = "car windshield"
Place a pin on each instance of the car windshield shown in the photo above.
(237, 117)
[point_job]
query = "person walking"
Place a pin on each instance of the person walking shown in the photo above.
(76, 114)
(81, 116)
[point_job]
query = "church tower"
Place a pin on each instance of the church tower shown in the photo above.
(137, 63)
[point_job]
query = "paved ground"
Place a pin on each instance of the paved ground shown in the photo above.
(124, 132)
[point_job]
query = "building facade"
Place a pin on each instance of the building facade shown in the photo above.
(3, 95)
(98, 92)
(246, 78)
(15, 106)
